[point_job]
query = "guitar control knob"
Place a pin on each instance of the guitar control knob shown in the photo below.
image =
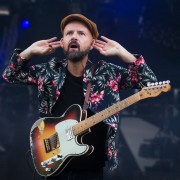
(48, 169)
(44, 164)
(53, 159)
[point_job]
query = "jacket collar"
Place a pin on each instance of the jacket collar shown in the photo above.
(88, 72)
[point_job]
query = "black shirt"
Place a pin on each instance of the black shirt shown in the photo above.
(72, 93)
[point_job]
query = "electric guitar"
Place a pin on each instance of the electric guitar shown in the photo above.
(54, 141)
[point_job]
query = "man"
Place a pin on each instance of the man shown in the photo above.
(62, 83)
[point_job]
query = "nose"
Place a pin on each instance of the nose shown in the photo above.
(74, 36)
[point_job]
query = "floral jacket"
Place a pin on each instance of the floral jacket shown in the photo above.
(107, 81)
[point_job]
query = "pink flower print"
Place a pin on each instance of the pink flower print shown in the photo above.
(31, 80)
(46, 110)
(40, 83)
(97, 97)
(118, 79)
(57, 94)
(4, 77)
(113, 125)
(11, 67)
(115, 153)
(33, 67)
(109, 151)
(133, 77)
(139, 61)
(54, 83)
(113, 84)
(85, 79)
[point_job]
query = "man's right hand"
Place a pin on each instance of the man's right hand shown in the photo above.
(42, 47)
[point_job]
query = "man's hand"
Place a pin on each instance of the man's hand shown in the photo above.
(42, 47)
(109, 47)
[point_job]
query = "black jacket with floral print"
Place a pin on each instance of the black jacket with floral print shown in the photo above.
(107, 81)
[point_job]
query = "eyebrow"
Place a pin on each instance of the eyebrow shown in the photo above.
(79, 31)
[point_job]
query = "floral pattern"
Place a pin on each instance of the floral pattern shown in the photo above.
(108, 79)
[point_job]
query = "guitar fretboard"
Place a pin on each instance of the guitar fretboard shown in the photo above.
(97, 118)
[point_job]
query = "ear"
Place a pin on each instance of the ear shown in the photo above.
(62, 42)
(92, 44)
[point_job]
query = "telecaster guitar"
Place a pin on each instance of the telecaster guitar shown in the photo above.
(55, 141)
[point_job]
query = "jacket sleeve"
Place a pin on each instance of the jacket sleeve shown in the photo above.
(136, 75)
(18, 72)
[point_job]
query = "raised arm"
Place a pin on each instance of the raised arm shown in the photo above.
(108, 47)
(18, 72)
(42, 47)
(137, 73)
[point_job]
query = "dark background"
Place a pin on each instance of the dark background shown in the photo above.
(149, 135)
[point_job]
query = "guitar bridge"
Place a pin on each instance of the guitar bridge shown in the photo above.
(51, 143)
(51, 161)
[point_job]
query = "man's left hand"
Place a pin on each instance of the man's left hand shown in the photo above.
(108, 47)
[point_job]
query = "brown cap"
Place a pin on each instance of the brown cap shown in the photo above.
(78, 17)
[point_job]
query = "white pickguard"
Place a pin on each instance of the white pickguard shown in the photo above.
(68, 142)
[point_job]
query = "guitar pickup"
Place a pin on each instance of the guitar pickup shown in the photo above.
(51, 143)
(47, 145)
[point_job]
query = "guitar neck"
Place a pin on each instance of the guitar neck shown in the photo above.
(98, 117)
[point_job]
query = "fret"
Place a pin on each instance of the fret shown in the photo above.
(95, 119)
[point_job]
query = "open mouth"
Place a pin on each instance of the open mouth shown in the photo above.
(74, 46)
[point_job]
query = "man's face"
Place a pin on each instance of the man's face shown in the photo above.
(77, 41)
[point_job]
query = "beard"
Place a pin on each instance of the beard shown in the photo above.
(76, 55)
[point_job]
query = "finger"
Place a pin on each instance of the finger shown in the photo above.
(101, 51)
(51, 50)
(57, 46)
(99, 45)
(105, 38)
(55, 43)
(100, 42)
(51, 39)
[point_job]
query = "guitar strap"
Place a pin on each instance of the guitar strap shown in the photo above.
(86, 100)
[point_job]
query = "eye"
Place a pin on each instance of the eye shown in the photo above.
(69, 33)
(81, 33)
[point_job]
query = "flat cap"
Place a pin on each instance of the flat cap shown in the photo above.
(79, 17)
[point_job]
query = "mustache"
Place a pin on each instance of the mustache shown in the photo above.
(74, 44)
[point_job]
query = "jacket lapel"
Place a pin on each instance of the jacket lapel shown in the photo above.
(59, 75)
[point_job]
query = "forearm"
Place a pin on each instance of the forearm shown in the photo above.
(17, 70)
(137, 75)
(125, 55)
(15, 65)
(140, 72)
(26, 54)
